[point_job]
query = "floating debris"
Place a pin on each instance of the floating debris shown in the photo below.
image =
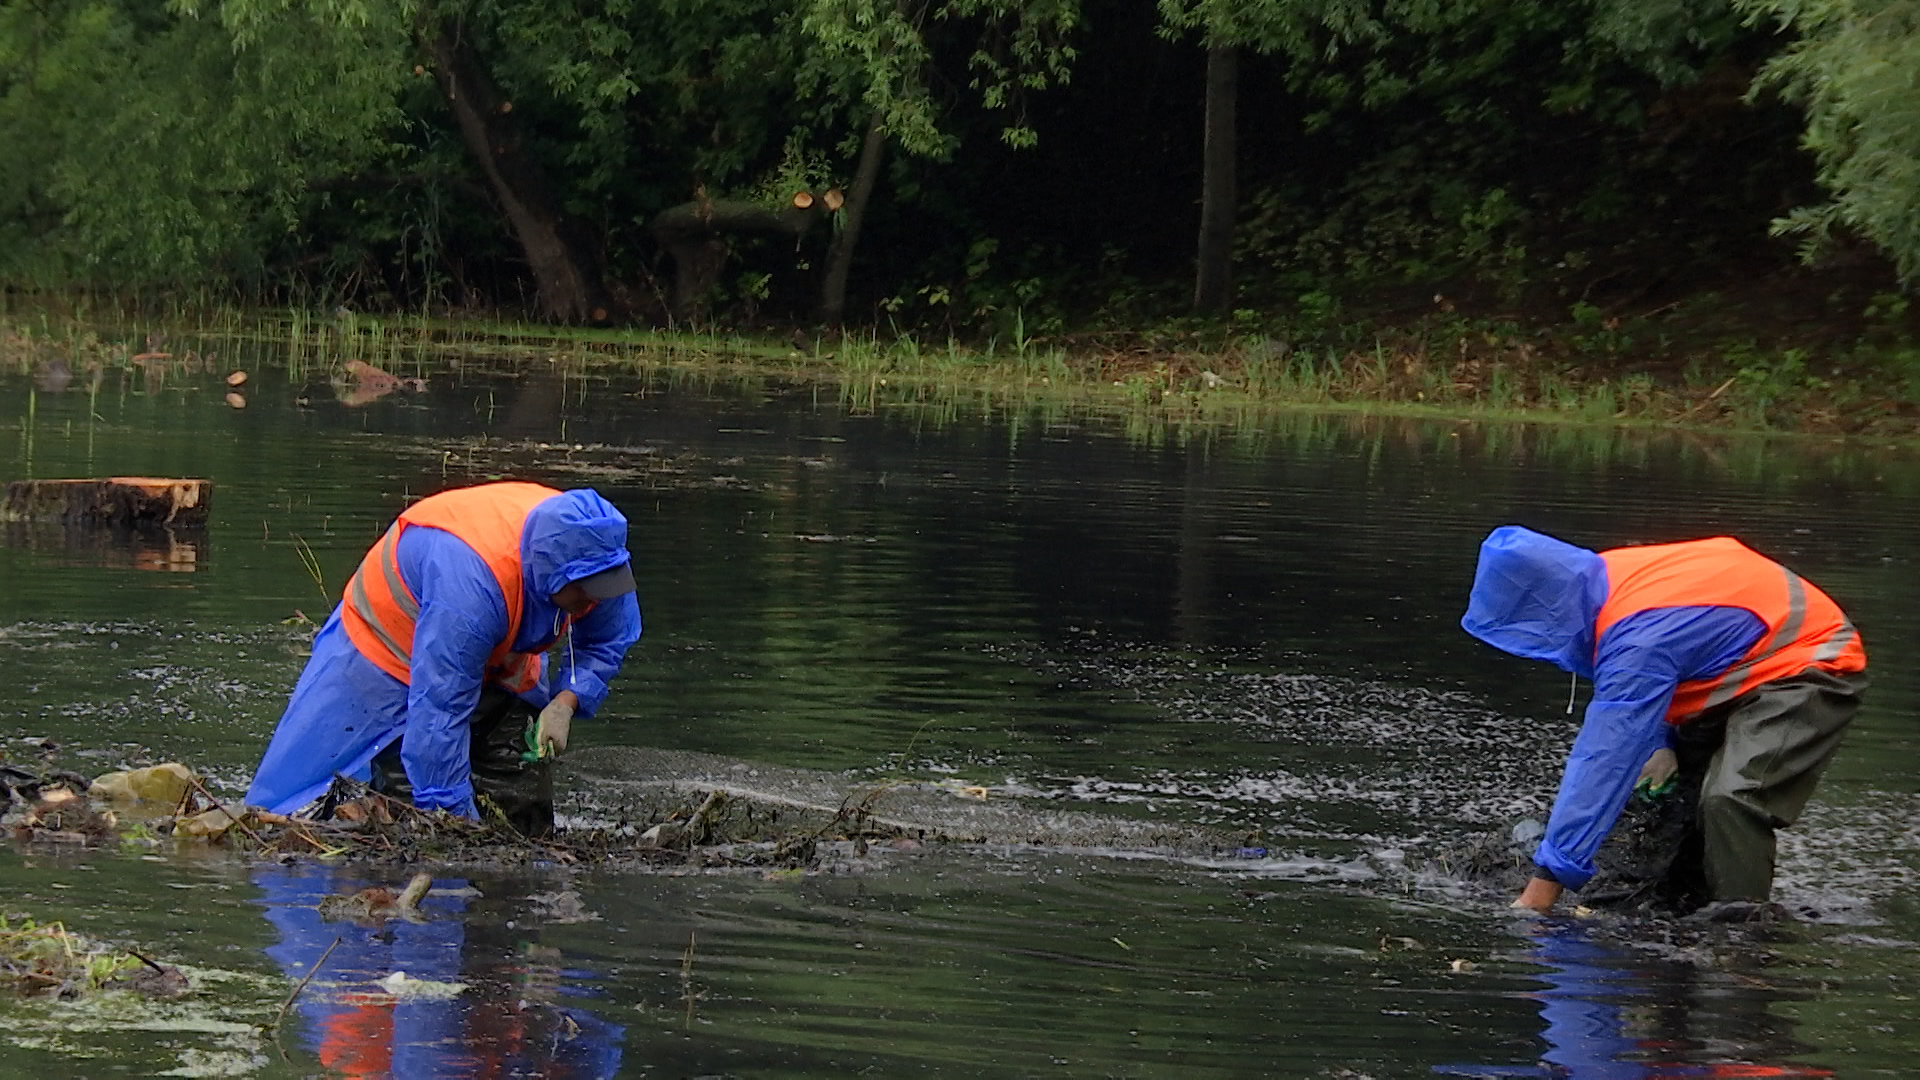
(379, 903)
(51, 961)
(407, 988)
(63, 816)
(1633, 866)
(689, 811)
(162, 785)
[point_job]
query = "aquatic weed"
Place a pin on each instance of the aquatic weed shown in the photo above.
(50, 959)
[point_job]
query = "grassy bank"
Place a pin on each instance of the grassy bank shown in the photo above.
(1593, 369)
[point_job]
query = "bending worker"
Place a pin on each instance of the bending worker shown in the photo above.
(1741, 667)
(426, 677)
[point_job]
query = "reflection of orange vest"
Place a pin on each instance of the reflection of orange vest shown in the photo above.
(357, 1041)
(1805, 629)
(378, 610)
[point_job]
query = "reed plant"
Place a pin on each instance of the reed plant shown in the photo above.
(1458, 368)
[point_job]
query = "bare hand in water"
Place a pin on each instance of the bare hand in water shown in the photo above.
(1539, 895)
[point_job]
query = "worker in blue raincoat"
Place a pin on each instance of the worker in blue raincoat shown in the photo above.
(429, 673)
(1740, 667)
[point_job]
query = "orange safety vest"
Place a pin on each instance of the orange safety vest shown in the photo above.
(378, 610)
(1805, 628)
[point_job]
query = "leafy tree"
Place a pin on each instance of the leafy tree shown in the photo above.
(1303, 30)
(144, 146)
(1465, 61)
(1852, 69)
(650, 103)
(879, 58)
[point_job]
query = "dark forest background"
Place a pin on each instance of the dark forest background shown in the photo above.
(971, 167)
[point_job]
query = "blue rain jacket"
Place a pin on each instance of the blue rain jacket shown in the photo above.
(344, 710)
(1538, 597)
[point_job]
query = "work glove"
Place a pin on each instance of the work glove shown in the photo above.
(1657, 775)
(550, 732)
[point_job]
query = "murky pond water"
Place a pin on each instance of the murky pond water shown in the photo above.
(1255, 630)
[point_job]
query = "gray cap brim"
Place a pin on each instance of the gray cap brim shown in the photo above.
(609, 583)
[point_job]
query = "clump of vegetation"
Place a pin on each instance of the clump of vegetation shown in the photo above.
(48, 960)
(353, 822)
(713, 830)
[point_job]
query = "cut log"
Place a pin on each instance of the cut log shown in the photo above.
(693, 233)
(122, 501)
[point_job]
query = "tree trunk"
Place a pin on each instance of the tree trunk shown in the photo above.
(566, 274)
(833, 294)
(1212, 282)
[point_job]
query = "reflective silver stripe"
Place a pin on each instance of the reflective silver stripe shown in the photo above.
(390, 566)
(357, 597)
(1729, 685)
(1831, 648)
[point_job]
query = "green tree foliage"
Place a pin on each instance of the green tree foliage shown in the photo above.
(882, 54)
(147, 143)
(488, 151)
(1854, 70)
(1304, 29)
(1522, 147)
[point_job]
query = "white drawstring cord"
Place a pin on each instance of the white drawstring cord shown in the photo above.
(1573, 685)
(559, 620)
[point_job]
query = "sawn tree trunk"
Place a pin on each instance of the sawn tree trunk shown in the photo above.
(693, 233)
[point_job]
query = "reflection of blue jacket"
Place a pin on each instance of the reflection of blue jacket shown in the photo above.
(355, 1028)
(344, 710)
(1586, 1032)
(1537, 598)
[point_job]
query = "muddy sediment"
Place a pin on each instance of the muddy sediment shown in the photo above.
(1641, 867)
(621, 807)
(643, 784)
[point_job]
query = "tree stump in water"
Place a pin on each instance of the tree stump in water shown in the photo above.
(120, 501)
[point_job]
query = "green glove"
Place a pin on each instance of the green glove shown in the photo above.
(1658, 776)
(548, 736)
(1647, 789)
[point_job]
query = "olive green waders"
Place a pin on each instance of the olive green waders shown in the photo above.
(523, 790)
(1758, 757)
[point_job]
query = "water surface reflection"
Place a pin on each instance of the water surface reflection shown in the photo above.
(1255, 628)
(1611, 1015)
(492, 1002)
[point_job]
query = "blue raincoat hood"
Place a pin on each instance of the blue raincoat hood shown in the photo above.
(568, 537)
(1537, 597)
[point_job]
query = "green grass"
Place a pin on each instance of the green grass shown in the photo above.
(1450, 368)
